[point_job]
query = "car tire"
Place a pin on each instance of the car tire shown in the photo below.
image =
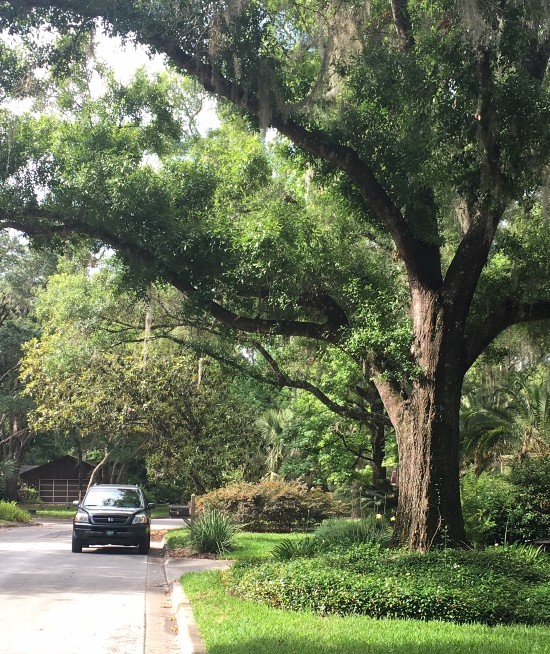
(76, 545)
(145, 545)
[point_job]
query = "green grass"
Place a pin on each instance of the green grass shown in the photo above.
(232, 626)
(248, 545)
(251, 545)
(56, 512)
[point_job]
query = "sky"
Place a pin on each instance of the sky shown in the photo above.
(126, 59)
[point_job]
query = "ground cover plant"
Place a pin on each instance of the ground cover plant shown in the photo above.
(502, 585)
(230, 625)
(10, 512)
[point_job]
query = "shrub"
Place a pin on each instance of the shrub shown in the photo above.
(10, 512)
(496, 586)
(28, 495)
(212, 532)
(530, 512)
(273, 505)
(487, 502)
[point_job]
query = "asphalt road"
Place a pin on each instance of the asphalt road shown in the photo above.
(104, 601)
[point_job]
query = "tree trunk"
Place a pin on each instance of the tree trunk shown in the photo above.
(14, 447)
(429, 509)
(98, 469)
(378, 446)
(122, 473)
(80, 466)
(426, 420)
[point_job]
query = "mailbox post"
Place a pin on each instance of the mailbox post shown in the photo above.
(184, 511)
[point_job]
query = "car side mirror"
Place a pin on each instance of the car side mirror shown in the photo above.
(76, 502)
(151, 505)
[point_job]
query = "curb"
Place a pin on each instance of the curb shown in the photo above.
(189, 637)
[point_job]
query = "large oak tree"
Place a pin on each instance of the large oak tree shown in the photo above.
(433, 118)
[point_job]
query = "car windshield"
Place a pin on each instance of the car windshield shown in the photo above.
(123, 498)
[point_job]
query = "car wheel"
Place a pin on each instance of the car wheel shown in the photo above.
(145, 545)
(76, 545)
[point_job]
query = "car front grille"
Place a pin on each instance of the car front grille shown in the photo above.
(110, 519)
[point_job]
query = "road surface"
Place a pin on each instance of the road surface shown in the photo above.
(103, 601)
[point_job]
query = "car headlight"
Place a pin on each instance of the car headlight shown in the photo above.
(81, 516)
(140, 519)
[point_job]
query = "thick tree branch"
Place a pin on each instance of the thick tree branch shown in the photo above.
(284, 380)
(25, 431)
(471, 255)
(536, 60)
(357, 453)
(327, 331)
(507, 314)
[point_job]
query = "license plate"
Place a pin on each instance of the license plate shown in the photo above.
(110, 533)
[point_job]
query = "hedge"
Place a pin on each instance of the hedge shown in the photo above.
(273, 505)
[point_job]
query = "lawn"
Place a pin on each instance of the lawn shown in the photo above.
(232, 626)
(248, 545)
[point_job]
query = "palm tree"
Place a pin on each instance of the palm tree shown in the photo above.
(513, 420)
(8, 471)
(272, 425)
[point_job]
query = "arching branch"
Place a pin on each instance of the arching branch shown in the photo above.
(34, 223)
(507, 314)
(192, 57)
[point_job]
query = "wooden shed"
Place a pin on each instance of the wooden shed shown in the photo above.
(59, 481)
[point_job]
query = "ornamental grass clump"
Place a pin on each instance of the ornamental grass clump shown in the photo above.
(213, 532)
(341, 533)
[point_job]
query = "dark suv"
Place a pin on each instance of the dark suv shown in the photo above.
(111, 514)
